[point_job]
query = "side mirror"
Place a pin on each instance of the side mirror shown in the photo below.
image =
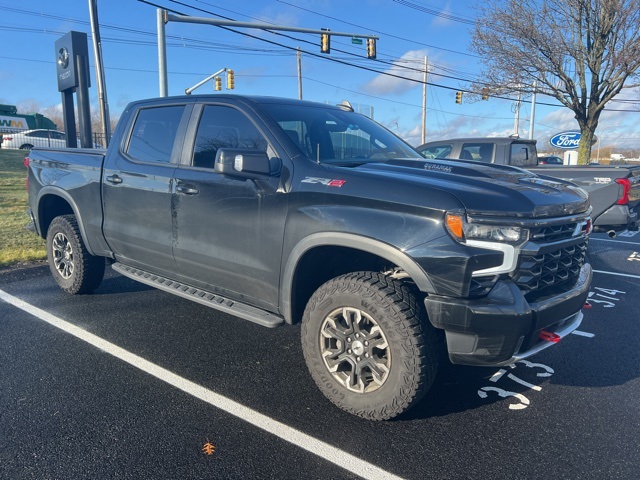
(244, 163)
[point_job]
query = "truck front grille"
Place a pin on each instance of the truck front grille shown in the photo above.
(540, 273)
(553, 233)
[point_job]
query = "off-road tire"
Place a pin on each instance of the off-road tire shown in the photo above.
(74, 269)
(390, 314)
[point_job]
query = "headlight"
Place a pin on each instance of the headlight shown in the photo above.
(493, 234)
(462, 231)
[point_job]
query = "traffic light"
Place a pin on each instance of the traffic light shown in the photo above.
(371, 48)
(325, 42)
(458, 97)
(485, 93)
(218, 84)
(230, 80)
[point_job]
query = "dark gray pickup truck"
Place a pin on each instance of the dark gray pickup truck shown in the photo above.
(284, 211)
(614, 191)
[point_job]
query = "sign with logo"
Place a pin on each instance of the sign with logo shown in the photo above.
(13, 123)
(68, 48)
(568, 140)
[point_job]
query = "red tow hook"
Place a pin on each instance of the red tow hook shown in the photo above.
(587, 305)
(550, 336)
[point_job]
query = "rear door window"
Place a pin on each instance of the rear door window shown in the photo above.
(154, 133)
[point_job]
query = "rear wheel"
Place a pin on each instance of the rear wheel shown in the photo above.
(368, 344)
(74, 269)
(26, 146)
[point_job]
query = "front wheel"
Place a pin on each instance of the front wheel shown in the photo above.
(74, 269)
(368, 344)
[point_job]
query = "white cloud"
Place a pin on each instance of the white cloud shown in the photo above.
(386, 84)
(560, 119)
(442, 20)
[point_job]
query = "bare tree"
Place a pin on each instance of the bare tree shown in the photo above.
(581, 52)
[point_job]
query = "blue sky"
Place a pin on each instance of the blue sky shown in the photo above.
(409, 31)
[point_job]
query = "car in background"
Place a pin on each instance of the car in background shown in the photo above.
(550, 160)
(28, 139)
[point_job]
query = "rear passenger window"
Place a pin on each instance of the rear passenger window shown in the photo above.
(480, 152)
(224, 127)
(154, 133)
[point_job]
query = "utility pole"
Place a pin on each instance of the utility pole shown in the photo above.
(533, 111)
(299, 56)
(516, 122)
(162, 53)
(424, 101)
(102, 86)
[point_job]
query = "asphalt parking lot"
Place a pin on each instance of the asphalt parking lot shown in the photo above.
(131, 382)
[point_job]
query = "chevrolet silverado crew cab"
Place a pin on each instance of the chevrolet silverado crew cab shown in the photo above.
(286, 211)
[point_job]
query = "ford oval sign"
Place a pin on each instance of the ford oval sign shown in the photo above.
(568, 140)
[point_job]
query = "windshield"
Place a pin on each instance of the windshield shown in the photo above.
(335, 136)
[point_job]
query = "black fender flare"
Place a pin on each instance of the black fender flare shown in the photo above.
(349, 240)
(59, 192)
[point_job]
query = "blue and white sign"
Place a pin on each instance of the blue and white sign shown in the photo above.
(568, 140)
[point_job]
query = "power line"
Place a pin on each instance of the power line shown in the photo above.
(330, 59)
(203, 44)
(437, 13)
(378, 31)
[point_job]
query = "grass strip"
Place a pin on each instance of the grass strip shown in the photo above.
(17, 244)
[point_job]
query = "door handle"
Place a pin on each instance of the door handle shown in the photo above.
(186, 190)
(114, 179)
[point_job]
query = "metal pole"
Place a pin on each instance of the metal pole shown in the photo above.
(424, 102)
(162, 53)
(84, 112)
(516, 121)
(102, 87)
(299, 56)
(533, 111)
(188, 91)
(69, 118)
(261, 26)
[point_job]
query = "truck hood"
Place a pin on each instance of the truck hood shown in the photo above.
(487, 189)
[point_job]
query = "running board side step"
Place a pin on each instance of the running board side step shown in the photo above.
(242, 310)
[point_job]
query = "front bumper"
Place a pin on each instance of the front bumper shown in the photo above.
(503, 327)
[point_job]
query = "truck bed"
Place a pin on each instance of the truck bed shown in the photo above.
(607, 187)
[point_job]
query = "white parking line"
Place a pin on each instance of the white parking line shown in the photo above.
(616, 273)
(583, 334)
(278, 429)
(611, 240)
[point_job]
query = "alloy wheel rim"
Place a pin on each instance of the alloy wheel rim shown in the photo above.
(355, 350)
(63, 255)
